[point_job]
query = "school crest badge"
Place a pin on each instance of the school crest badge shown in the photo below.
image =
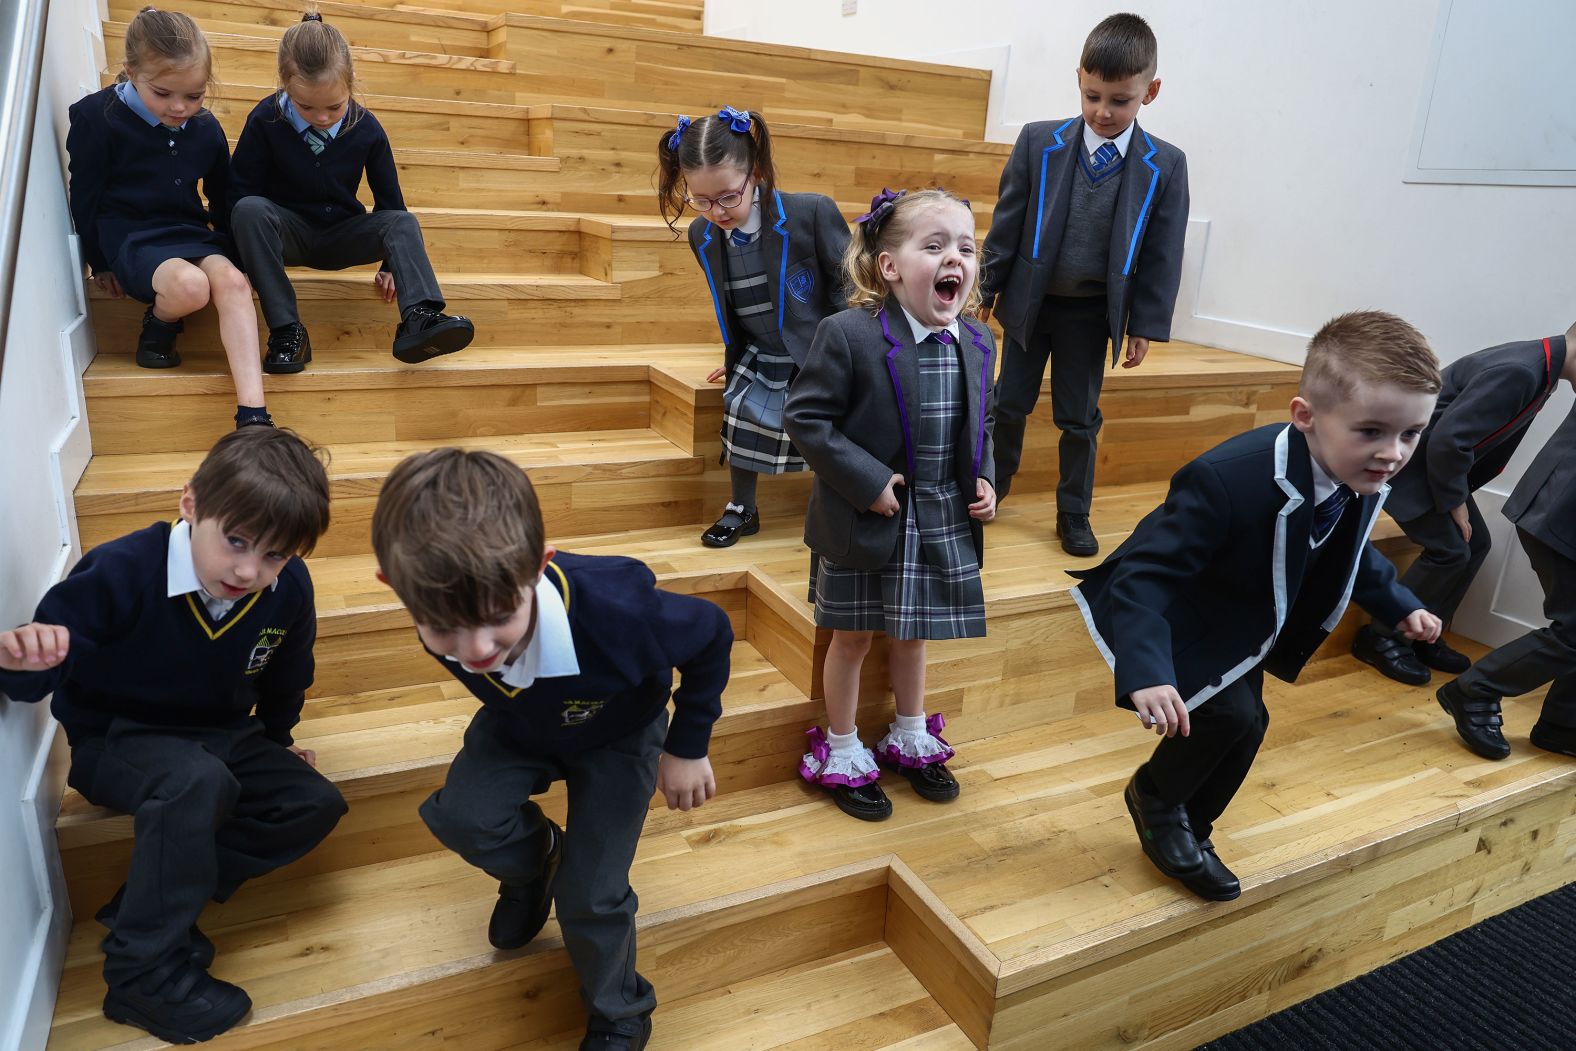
(263, 650)
(801, 284)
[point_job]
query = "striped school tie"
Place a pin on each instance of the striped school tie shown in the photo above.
(1106, 154)
(316, 140)
(740, 238)
(1329, 511)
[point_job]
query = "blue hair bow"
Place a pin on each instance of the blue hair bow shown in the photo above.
(738, 120)
(881, 205)
(678, 132)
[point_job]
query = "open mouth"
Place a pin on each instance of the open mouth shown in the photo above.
(949, 289)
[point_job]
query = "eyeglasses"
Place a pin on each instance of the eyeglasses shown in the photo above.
(731, 199)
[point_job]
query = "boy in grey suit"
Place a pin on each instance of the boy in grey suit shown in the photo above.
(1488, 401)
(1085, 245)
(1543, 506)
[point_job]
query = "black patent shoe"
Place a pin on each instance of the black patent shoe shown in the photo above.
(1551, 738)
(202, 952)
(867, 802)
(1393, 657)
(425, 333)
(289, 349)
(188, 1007)
(1077, 538)
(933, 781)
(156, 342)
(1478, 722)
(1441, 657)
(522, 908)
(604, 1034)
(1164, 831)
(1214, 882)
(735, 522)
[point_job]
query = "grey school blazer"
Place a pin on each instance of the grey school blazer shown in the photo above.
(1147, 232)
(1544, 501)
(1486, 403)
(852, 413)
(803, 238)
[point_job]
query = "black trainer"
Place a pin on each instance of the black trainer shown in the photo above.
(1478, 722)
(156, 342)
(1214, 881)
(604, 1034)
(522, 908)
(289, 349)
(1394, 657)
(425, 333)
(867, 802)
(933, 781)
(1441, 657)
(1164, 831)
(202, 948)
(1551, 738)
(735, 522)
(1077, 538)
(188, 1007)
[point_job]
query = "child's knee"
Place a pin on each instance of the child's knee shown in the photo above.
(186, 291)
(399, 224)
(253, 212)
(228, 283)
(851, 643)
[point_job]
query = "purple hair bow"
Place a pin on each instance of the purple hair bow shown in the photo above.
(881, 205)
(737, 119)
(678, 132)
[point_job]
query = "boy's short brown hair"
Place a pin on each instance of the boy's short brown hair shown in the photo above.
(1120, 47)
(1366, 347)
(459, 536)
(267, 483)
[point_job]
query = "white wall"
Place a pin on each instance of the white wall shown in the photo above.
(1298, 121)
(46, 447)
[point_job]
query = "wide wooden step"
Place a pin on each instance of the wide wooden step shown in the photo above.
(452, 32)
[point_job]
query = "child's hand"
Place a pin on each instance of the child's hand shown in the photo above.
(306, 753)
(685, 783)
(716, 374)
(1161, 708)
(985, 507)
(1421, 625)
(1458, 515)
(886, 503)
(1137, 347)
(108, 282)
(385, 284)
(33, 647)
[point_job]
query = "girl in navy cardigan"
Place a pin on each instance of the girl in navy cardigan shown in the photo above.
(138, 150)
(773, 261)
(297, 168)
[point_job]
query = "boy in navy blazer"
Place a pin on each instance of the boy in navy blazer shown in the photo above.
(1085, 246)
(1543, 506)
(1246, 568)
(1485, 406)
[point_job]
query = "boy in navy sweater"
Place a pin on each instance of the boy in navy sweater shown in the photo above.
(1085, 246)
(572, 657)
(179, 657)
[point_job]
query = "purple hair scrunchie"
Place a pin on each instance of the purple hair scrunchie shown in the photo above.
(881, 205)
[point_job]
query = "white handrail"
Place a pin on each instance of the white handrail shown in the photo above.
(22, 25)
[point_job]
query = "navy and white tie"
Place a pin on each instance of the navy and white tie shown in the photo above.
(740, 238)
(316, 140)
(1105, 155)
(1328, 512)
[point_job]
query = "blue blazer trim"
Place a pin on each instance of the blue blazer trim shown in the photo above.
(1149, 199)
(716, 299)
(1045, 163)
(781, 226)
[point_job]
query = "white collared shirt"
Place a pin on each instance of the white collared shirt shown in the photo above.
(180, 573)
(921, 331)
(1323, 485)
(753, 222)
(550, 653)
(1093, 142)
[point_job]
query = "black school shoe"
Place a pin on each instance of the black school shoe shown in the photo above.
(1164, 832)
(1440, 657)
(604, 1034)
(1551, 738)
(1213, 882)
(735, 522)
(202, 948)
(289, 349)
(1478, 722)
(1394, 657)
(425, 333)
(867, 802)
(188, 1007)
(1077, 538)
(156, 342)
(933, 781)
(522, 908)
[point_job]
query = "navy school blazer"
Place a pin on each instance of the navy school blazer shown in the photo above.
(803, 238)
(1486, 403)
(851, 414)
(1544, 500)
(1147, 233)
(1213, 582)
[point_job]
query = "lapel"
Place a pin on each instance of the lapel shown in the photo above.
(976, 370)
(902, 363)
(774, 251)
(711, 261)
(1294, 523)
(1058, 160)
(1135, 199)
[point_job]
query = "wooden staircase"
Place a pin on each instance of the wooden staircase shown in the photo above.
(1021, 916)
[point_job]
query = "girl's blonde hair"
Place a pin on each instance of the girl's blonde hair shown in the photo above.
(160, 40)
(313, 51)
(882, 231)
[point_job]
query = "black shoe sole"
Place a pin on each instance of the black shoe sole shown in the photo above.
(749, 530)
(1143, 843)
(926, 792)
(124, 1015)
(157, 361)
(1212, 894)
(1495, 755)
(447, 338)
(287, 368)
(1383, 667)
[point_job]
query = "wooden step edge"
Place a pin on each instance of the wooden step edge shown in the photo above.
(425, 18)
(250, 94)
(458, 287)
(950, 961)
(1179, 913)
(358, 53)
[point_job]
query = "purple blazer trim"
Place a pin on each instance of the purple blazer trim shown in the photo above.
(897, 385)
(979, 439)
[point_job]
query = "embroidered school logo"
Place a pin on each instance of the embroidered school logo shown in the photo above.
(267, 642)
(801, 283)
(578, 712)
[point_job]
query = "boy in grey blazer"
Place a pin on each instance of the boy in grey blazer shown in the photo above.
(1085, 246)
(1488, 401)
